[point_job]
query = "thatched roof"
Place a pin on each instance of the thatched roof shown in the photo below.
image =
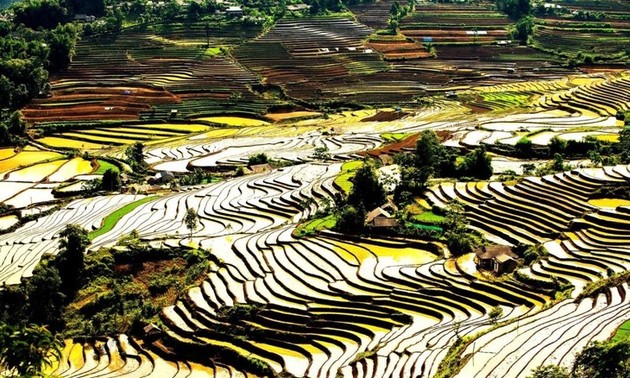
(380, 218)
(494, 251)
(378, 212)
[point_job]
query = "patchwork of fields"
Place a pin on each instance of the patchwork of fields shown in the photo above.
(317, 95)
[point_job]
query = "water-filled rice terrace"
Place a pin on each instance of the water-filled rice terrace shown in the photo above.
(329, 304)
(370, 307)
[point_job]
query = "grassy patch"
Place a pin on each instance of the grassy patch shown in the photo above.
(213, 51)
(315, 225)
(623, 333)
(425, 227)
(104, 166)
(347, 172)
(125, 289)
(110, 221)
(429, 217)
(394, 137)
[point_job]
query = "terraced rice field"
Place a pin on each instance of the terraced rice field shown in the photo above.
(25, 158)
(343, 297)
(566, 33)
(122, 356)
(146, 74)
(327, 304)
(228, 153)
(106, 136)
(20, 251)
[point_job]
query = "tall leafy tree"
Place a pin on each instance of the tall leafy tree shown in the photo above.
(603, 360)
(61, 41)
(72, 246)
(34, 14)
(191, 220)
(25, 350)
(458, 238)
(367, 191)
(350, 219)
(477, 164)
(624, 145)
(135, 157)
(111, 180)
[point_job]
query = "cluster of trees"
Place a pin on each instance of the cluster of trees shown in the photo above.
(607, 359)
(260, 158)
(263, 12)
(459, 239)
(41, 300)
(34, 313)
(396, 13)
(366, 194)
(198, 176)
(597, 151)
(520, 11)
(135, 157)
(432, 159)
(12, 128)
(514, 8)
(37, 41)
(48, 14)
(623, 147)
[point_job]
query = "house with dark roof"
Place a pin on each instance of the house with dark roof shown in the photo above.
(498, 259)
(162, 177)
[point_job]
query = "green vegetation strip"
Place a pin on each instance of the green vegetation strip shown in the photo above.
(595, 288)
(347, 172)
(429, 217)
(623, 333)
(104, 166)
(394, 137)
(110, 221)
(318, 224)
(425, 227)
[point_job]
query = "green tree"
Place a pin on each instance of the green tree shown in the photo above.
(350, 220)
(45, 296)
(367, 191)
(477, 164)
(135, 157)
(111, 180)
(25, 350)
(524, 147)
(428, 150)
(321, 153)
(61, 41)
(557, 164)
(73, 243)
(523, 29)
(260, 158)
(458, 238)
(550, 371)
(624, 145)
(556, 145)
(495, 313)
(528, 168)
(191, 220)
(603, 360)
